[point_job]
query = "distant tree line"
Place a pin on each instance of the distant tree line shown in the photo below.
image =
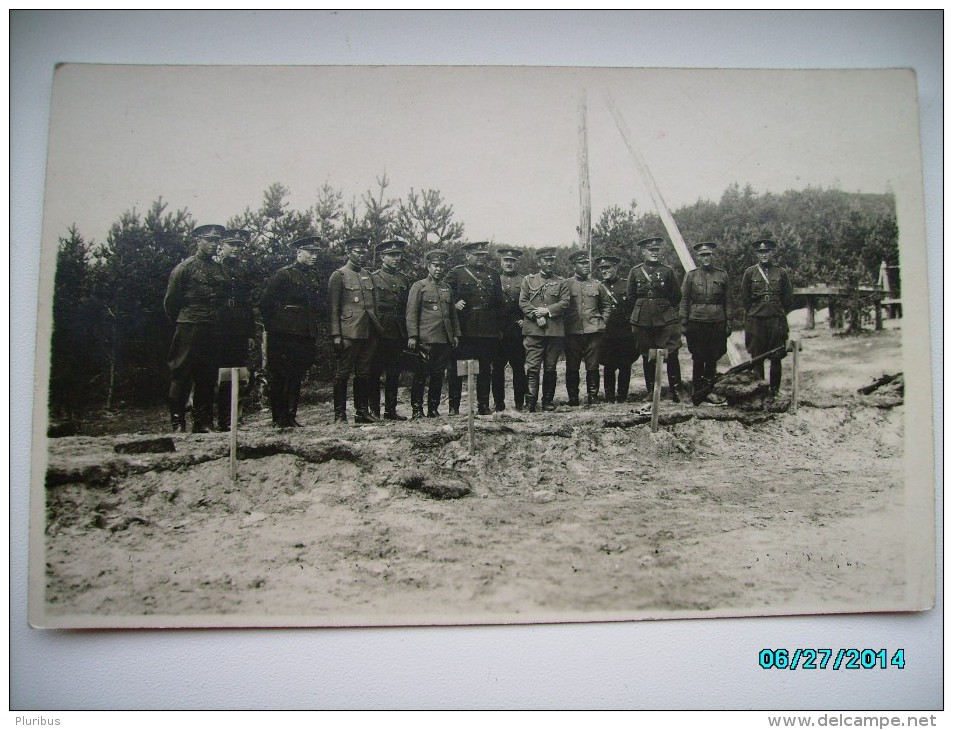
(111, 337)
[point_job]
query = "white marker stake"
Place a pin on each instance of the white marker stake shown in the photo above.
(233, 455)
(471, 366)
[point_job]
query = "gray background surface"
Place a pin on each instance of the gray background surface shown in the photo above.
(653, 665)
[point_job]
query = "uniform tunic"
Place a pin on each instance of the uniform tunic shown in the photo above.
(585, 321)
(390, 290)
(480, 288)
(432, 320)
(510, 348)
(618, 348)
(194, 300)
(767, 295)
(289, 309)
(703, 312)
(543, 344)
(354, 319)
(653, 287)
(238, 315)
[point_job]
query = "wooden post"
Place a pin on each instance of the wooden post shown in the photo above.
(585, 200)
(878, 313)
(657, 390)
(470, 396)
(469, 368)
(810, 313)
(233, 446)
(795, 390)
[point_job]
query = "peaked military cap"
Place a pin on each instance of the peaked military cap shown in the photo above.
(509, 253)
(705, 247)
(477, 247)
(357, 242)
(437, 255)
(764, 244)
(236, 237)
(579, 256)
(311, 243)
(651, 243)
(605, 261)
(549, 252)
(390, 247)
(211, 231)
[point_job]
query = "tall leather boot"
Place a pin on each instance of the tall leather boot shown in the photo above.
(592, 387)
(374, 394)
(519, 387)
(391, 386)
(674, 377)
(483, 394)
(532, 390)
(417, 397)
(454, 388)
(340, 400)
(549, 390)
(758, 369)
(293, 396)
(648, 370)
(177, 406)
(608, 377)
(433, 394)
(622, 393)
(699, 380)
(775, 377)
(498, 385)
(277, 384)
(572, 387)
(361, 413)
(223, 405)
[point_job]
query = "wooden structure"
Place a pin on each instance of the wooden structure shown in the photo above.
(881, 296)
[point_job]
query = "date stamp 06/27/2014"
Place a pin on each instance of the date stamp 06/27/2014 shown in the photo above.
(831, 659)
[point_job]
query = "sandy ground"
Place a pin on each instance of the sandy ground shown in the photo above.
(578, 514)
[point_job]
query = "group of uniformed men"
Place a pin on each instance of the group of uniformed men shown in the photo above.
(471, 312)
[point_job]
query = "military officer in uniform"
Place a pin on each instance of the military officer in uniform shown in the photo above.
(544, 298)
(391, 287)
(766, 295)
(238, 322)
(510, 348)
(653, 289)
(703, 313)
(585, 321)
(478, 295)
(433, 329)
(355, 330)
(194, 300)
(289, 309)
(617, 350)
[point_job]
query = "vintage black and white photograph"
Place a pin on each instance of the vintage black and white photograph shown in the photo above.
(364, 346)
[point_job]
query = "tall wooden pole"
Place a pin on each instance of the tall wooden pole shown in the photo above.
(661, 208)
(585, 199)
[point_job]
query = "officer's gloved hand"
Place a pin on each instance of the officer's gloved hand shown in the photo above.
(337, 342)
